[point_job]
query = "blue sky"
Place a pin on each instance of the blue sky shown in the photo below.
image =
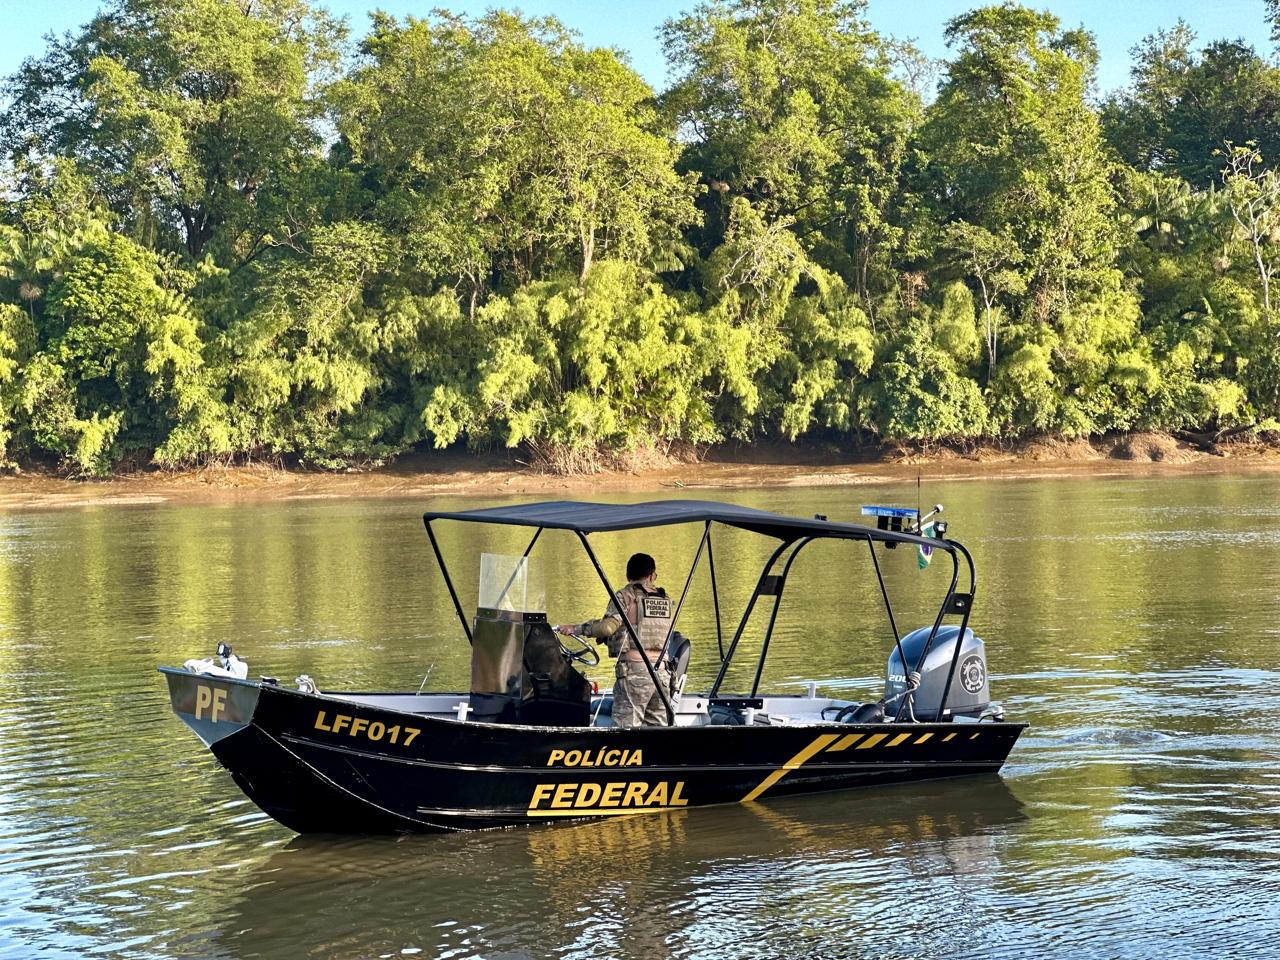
(632, 26)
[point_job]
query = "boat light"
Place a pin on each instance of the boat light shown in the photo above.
(892, 519)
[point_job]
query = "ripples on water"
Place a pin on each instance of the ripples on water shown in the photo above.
(1134, 623)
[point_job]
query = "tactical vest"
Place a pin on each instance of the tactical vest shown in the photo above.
(651, 615)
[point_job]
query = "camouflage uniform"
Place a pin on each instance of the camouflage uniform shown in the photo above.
(636, 702)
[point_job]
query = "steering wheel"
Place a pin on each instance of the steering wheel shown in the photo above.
(588, 655)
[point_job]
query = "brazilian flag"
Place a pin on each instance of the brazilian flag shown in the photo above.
(925, 554)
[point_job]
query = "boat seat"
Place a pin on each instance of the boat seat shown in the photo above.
(681, 649)
(857, 713)
(722, 715)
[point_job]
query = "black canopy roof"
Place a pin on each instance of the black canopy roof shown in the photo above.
(604, 517)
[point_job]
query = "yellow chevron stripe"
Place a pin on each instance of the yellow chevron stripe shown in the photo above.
(872, 740)
(948, 737)
(974, 737)
(795, 763)
(844, 743)
(897, 740)
(921, 739)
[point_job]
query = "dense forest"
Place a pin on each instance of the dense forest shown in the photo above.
(232, 229)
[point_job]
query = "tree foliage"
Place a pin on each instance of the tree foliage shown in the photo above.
(194, 117)
(225, 232)
(555, 152)
(1184, 105)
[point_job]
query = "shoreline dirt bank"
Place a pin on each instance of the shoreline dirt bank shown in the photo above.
(726, 467)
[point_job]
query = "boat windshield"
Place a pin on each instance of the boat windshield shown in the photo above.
(511, 583)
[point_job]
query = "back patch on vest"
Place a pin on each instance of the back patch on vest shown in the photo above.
(656, 608)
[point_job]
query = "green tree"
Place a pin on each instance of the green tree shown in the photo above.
(1013, 148)
(955, 326)
(820, 373)
(1200, 313)
(299, 361)
(750, 281)
(1183, 105)
(116, 361)
(195, 118)
(792, 107)
(505, 151)
(572, 368)
(991, 260)
(919, 394)
(1252, 195)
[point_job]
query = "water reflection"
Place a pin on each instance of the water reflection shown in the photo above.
(1133, 623)
(644, 886)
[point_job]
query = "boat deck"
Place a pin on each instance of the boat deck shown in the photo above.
(692, 710)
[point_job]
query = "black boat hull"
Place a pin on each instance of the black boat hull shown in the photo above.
(321, 764)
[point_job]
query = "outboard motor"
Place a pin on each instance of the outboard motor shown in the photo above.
(520, 673)
(969, 696)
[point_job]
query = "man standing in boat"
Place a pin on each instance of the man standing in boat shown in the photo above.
(636, 701)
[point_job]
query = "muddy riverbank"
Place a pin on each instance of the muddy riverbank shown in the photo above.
(727, 466)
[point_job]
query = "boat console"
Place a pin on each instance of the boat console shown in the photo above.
(520, 673)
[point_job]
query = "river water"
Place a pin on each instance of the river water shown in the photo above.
(1133, 622)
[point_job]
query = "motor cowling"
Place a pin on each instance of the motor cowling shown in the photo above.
(969, 695)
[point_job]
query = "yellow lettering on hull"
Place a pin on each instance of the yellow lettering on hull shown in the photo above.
(364, 729)
(605, 799)
(602, 757)
(210, 699)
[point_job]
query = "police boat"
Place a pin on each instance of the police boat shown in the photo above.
(530, 742)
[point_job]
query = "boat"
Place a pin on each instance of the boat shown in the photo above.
(531, 741)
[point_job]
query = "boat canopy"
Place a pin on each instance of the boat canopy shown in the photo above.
(793, 534)
(582, 517)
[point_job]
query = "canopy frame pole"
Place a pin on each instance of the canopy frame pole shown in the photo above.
(964, 624)
(512, 579)
(773, 617)
(933, 632)
(448, 582)
(675, 618)
(529, 549)
(715, 593)
(884, 592)
(631, 630)
(746, 617)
